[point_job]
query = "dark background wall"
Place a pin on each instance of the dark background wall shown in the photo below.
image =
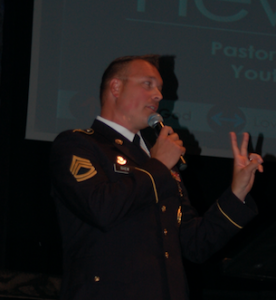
(29, 233)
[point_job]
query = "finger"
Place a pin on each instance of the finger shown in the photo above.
(234, 144)
(244, 144)
(165, 131)
(256, 157)
(260, 168)
(183, 150)
(254, 165)
(174, 137)
(179, 143)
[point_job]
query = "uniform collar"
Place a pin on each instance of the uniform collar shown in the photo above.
(124, 132)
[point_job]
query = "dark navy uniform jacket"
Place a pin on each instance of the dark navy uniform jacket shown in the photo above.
(126, 220)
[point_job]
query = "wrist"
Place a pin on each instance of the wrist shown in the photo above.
(241, 195)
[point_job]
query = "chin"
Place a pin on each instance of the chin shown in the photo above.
(145, 126)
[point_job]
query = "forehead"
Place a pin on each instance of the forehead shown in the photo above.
(142, 68)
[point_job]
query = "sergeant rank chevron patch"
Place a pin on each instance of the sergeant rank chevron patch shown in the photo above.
(82, 169)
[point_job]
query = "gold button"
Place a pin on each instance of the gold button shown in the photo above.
(165, 231)
(96, 278)
(163, 208)
(167, 254)
(119, 142)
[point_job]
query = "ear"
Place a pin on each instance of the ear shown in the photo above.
(115, 86)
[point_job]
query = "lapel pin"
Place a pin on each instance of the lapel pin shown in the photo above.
(121, 160)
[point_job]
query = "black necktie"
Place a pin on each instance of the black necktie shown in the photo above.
(136, 140)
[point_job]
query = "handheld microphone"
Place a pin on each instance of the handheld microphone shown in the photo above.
(155, 121)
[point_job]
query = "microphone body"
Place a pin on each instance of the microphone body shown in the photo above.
(155, 121)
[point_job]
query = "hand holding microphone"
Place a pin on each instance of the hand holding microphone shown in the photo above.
(168, 148)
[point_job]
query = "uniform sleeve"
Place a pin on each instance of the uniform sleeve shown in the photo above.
(84, 181)
(201, 237)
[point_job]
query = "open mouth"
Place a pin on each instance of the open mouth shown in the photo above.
(153, 108)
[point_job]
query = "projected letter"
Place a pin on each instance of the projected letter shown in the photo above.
(271, 15)
(241, 14)
(183, 8)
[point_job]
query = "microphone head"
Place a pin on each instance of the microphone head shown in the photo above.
(154, 119)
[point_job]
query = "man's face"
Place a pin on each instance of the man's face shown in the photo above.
(139, 95)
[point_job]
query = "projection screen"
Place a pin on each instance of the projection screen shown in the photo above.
(222, 55)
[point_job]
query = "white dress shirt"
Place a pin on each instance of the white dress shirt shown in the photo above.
(125, 132)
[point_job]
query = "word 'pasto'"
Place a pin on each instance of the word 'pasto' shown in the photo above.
(241, 71)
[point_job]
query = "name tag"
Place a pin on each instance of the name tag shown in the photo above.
(122, 169)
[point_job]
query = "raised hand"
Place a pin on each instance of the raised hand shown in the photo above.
(245, 166)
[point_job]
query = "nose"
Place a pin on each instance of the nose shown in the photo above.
(157, 95)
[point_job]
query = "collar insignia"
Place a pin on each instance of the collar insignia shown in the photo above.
(119, 142)
(86, 131)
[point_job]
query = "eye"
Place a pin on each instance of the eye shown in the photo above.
(147, 83)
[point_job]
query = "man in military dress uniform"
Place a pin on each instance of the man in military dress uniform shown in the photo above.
(125, 217)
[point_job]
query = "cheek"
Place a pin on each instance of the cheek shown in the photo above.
(134, 104)
(134, 101)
